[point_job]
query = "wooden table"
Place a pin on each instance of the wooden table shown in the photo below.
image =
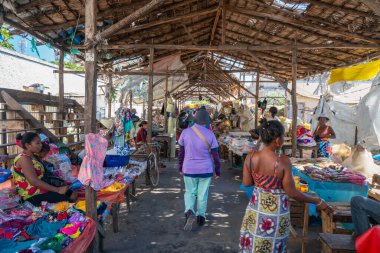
(337, 243)
(167, 139)
(299, 148)
(342, 214)
(305, 228)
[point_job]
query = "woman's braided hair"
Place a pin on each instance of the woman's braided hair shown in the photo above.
(270, 130)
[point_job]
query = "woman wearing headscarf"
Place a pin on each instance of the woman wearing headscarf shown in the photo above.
(198, 161)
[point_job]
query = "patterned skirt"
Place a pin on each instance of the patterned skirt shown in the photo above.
(266, 222)
(324, 149)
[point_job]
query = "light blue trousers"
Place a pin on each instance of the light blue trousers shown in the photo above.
(197, 189)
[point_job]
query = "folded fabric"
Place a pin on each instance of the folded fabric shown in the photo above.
(72, 230)
(63, 239)
(61, 206)
(77, 217)
(9, 233)
(8, 246)
(42, 228)
(81, 205)
(16, 223)
(51, 244)
(115, 187)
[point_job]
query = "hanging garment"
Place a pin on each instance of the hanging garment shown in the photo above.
(91, 171)
(119, 121)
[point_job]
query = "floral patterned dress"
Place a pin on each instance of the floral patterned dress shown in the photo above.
(25, 189)
(266, 222)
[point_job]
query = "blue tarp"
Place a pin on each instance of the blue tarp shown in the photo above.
(329, 191)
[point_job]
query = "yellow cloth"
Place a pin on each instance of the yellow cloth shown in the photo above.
(81, 205)
(360, 72)
(115, 187)
(62, 206)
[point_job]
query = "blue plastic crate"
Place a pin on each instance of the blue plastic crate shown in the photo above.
(116, 160)
(4, 175)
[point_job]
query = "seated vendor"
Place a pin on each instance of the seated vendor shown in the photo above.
(143, 133)
(28, 174)
(362, 210)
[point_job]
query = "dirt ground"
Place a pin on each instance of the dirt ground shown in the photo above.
(156, 220)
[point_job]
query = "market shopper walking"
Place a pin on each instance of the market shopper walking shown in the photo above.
(265, 226)
(198, 160)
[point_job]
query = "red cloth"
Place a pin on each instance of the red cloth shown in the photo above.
(141, 135)
(369, 242)
(110, 197)
(81, 243)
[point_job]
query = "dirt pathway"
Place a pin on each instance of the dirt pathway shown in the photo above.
(156, 220)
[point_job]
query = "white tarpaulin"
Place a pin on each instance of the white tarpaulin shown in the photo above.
(344, 118)
(139, 83)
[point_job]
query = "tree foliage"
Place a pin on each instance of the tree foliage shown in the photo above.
(5, 38)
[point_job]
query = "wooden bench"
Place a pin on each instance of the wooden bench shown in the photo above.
(342, 214)
(374, 192)
(337, 243)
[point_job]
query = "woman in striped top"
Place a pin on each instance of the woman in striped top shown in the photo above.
(265, 226)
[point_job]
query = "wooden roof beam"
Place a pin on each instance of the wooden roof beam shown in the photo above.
(295, 22)
(320, 59)
(216, 21)
(126, 21)
(168, 20)
(374, 5)
(334, 7)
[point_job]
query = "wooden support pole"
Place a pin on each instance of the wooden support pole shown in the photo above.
(130, 99)
(61, 67)
(257, 99)
(109, 95)
(166, 104)
(150, 97)
(90, 105)
(223, 23)
(294, 102)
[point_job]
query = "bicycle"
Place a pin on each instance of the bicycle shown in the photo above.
(152, 159)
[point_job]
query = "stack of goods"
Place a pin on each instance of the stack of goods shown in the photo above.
(305, 137)
(327, 171)
(8, 198)
(335, 174)
(242, 145)
(124, 174)
(61, 166)
(52, 228)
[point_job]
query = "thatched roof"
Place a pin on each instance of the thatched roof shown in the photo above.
(316, 26)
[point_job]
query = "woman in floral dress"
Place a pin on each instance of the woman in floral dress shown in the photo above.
(265, 226)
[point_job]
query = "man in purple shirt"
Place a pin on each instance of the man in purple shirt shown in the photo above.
(198, 160)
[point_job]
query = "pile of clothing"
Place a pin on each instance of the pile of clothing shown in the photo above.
(27, 229)
(244, 146)
(335, 173)
(125, 174)
(305, 137)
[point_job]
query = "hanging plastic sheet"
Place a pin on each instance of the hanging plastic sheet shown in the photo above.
(369, 242)
(360, 72)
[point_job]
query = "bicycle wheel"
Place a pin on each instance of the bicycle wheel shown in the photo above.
(154, 173)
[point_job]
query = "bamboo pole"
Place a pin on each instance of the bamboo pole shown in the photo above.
(166, 104)
(130, 99)
(150, 96)
(294, 102)
(61, 67)
(90, 105)
(257, 99)
(109, 95)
